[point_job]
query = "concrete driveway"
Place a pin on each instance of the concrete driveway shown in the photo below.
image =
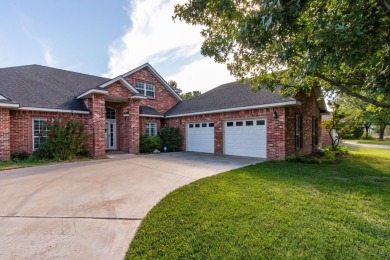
(91, 210)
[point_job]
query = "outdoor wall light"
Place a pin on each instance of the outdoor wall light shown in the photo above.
(275, 115)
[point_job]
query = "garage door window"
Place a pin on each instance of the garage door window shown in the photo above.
(211, 124)
(204, 124)
(191, 125)
(197, 125)
(249, 123)
(240, 123)
(260, 122)
(229, 124)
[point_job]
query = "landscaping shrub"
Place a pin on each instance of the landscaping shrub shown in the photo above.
(66, 140)
(19, 155)
(171, 138)
(329, 156)
(150, 143)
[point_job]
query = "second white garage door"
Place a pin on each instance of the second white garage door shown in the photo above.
(200, 137)
(247, 137)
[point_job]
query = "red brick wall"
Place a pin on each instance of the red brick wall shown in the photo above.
(22, 129)
(275, 128)
(5, 149)
(134, 126)
(163, 101)
(308, 110)
(144, 120)
(119, 90)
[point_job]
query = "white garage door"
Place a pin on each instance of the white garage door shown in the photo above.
(200, 137)
(246, 137)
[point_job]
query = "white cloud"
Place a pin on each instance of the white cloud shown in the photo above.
(49, 59)
(203, 75)
(155, 38)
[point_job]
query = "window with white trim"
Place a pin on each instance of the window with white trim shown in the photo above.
(151, 129)
(39, 132)
(146, 89)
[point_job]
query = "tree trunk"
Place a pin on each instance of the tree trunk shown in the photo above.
(382, 132)
(367, 128)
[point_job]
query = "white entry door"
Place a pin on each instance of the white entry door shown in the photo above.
(200, 137)
(110, 134)
(246, 137)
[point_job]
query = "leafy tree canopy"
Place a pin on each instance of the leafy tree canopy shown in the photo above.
(342, 45)
(191, 94)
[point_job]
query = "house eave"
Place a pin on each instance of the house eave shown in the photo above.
(281, 104)
(147, 115)
(9, 105)
(88, 93)
(53, 110)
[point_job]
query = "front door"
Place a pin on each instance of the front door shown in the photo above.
(110, 129)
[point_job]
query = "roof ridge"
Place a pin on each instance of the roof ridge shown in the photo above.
(53, 68)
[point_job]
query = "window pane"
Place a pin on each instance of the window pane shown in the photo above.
(39, 132)
(248, 123)
(240, 123)
(204, 124)
(197, 125)
(229, 124)
(260, 122)
(211, 124)
(191, 126)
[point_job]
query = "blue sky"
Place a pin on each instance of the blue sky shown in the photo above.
(103, 37)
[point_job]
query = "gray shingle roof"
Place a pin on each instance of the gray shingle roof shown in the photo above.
(45, 87)
(230, 95)
(144, 110)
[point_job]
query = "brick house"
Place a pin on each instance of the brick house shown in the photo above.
(229, 119)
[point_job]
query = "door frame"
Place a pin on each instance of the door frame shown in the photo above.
(108, 131)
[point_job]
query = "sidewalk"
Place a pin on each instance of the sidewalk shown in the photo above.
(378, 146)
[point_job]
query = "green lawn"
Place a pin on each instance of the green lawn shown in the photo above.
(276, 210)
(8, 165)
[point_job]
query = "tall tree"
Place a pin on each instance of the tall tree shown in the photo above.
(342, 45)
(173, 84)
(191, 94)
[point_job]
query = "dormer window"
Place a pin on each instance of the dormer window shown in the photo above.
(146, 89)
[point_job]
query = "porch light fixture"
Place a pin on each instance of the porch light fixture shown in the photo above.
(126, 114)
(275, 115)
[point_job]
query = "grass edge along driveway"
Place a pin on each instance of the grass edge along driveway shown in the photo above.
(276, 210)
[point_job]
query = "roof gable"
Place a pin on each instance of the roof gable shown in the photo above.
(157, 76)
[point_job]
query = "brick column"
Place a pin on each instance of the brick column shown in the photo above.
(134, 126)
(218, 140)
(5, 125)
(98, 115)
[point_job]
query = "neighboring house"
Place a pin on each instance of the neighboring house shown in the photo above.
(229, 119)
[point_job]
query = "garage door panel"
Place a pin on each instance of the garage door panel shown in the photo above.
(200, 137)
(245, 139)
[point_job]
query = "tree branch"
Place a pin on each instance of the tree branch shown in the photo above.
(347, 91)
(385, 6)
